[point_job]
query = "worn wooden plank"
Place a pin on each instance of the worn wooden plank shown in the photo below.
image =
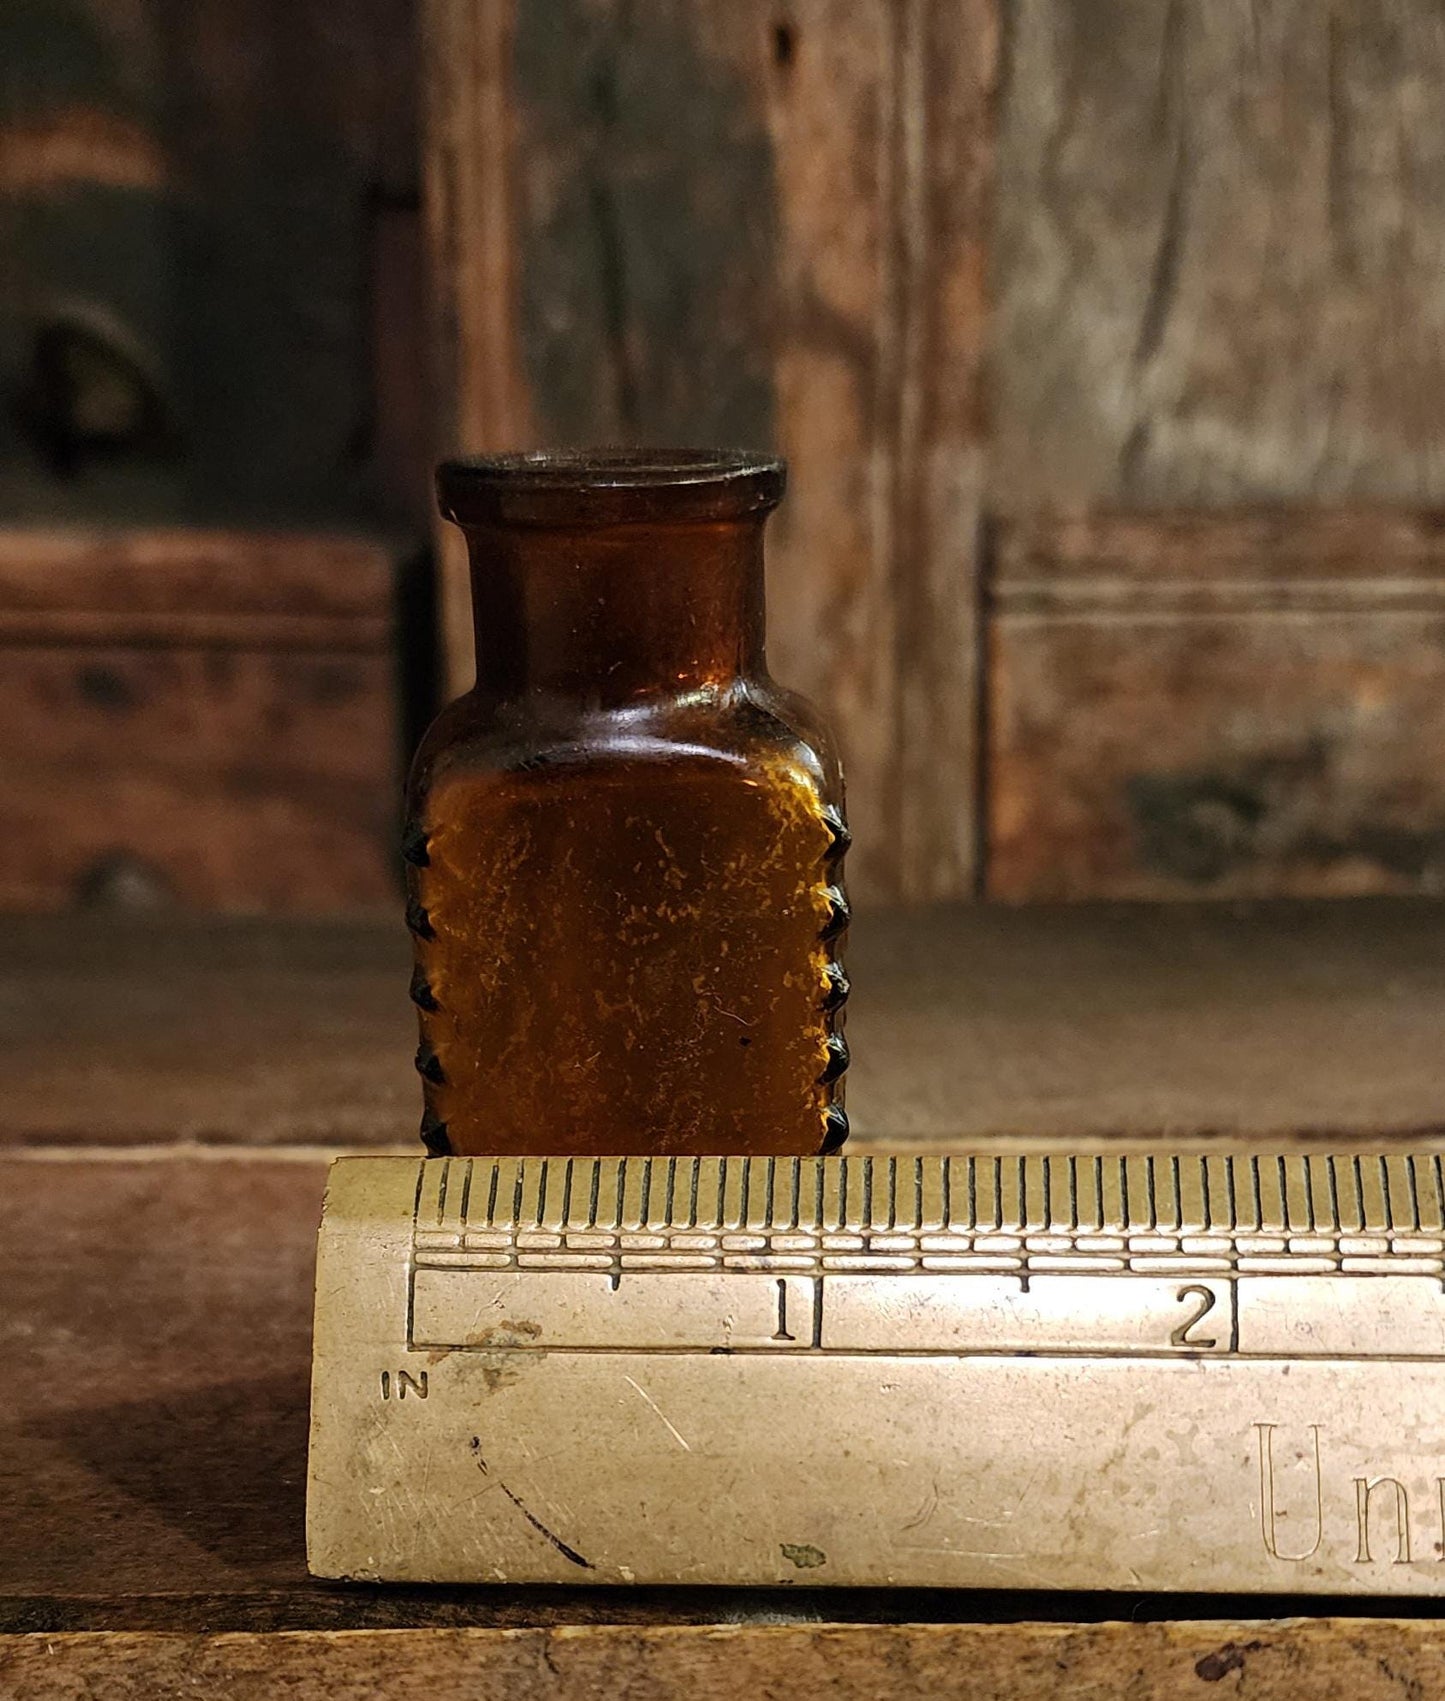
(469, 130)
(833, 617)
(162, 1315)
(206, 718)
(119, 571)
(1329, 1659)
(1080, 1022)
(1249, 554)
(173, 586)
(202, 778)
(120, 1030)
(1241, 706)
(1099, 1022)
(1219, 235)
(1217, 281)
(746, 224)
(948, 57)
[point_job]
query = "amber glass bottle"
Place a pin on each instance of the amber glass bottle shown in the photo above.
(626, 842)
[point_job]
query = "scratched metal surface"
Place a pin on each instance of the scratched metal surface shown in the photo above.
(1211, 1372)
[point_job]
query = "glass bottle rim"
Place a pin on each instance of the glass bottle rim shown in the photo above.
(609, 486)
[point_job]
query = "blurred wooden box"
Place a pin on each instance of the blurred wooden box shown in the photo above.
(1217, 705)
(205, 718)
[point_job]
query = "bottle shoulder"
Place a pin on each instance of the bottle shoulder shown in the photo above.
(758, 730)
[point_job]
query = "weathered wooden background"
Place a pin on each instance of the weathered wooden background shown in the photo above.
(196, 201)
(1106, 340)
(210, 341)
(762, 224)
(1218, 285)
(1071, 315)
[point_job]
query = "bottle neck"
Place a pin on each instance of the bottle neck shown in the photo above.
(610, 614)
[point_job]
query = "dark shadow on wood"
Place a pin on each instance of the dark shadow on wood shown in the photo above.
(225, 1465)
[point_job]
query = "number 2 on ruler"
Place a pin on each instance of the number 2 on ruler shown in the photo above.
(1202, 1301)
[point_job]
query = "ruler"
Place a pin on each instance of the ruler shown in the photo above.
(1168, 1372)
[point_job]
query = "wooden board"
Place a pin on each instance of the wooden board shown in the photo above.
(760, 225)
(1208, 705)
(1216, 269)
(1329, 1660)
(207, 719)
(1046, 1024)
(1215, 283)
(162, 1310)
(164, 585)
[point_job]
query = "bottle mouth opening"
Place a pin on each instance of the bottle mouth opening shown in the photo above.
(565, 487)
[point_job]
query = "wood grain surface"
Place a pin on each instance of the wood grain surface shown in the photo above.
(1217, 266)
(1188, 704)
(209, 719)
(1045, 1024)
(1216, 283)
(157, 585)
(760, 225)
(1327, 1660)
(155, 1440)
(213, 781)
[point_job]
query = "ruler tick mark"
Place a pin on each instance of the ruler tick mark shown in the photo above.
(1413, 1188)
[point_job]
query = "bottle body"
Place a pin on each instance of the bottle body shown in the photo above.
(626, 852)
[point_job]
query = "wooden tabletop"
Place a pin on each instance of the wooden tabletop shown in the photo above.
(1047, 1023)
(174, 1094)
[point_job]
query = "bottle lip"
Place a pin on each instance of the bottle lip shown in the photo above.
(609, 486)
